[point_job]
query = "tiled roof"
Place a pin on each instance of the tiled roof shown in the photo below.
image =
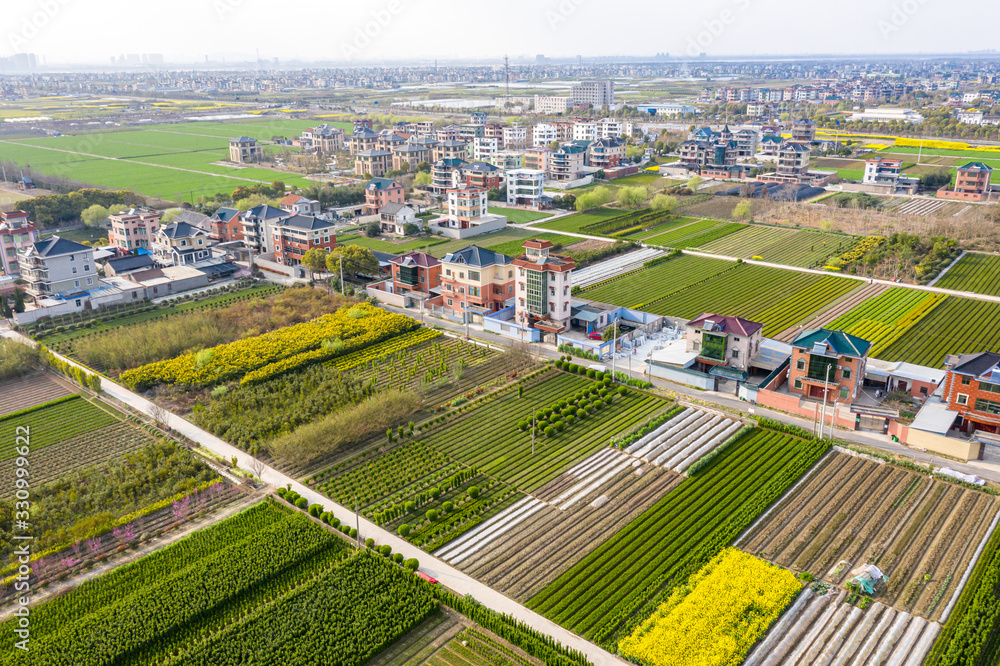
(307, 222)
(225, 214)
(974, 364)
(180, 230)
(840, 342)
(381, 184)
(54, 245)
(473, 255)
(727, 324)
(415, 259)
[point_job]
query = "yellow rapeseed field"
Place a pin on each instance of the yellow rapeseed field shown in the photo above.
(717, 617)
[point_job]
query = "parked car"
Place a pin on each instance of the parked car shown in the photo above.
(596, 335)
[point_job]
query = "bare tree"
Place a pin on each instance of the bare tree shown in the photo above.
(257, 466)
(159, 415)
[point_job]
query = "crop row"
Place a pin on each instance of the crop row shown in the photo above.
(695, 234)
(639, 218)
(380, 351)
(886, 318)
(50, 423)
(271, 354)
(617, 585)
(979, 273)
(936, 335)
(653, 284)
(775, 297)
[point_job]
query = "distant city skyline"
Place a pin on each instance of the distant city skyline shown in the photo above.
(92, 32)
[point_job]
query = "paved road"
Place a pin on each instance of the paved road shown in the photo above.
(448, 575)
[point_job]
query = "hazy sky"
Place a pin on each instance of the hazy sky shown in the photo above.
(76, 31)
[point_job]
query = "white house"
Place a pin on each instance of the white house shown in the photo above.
(394, 216)
(525, 187)
(57, 266)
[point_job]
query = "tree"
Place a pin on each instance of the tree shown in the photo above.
(241, 192)
(94, 215)
(18, 300)
(5, 310)
(356, 259)
(424, 167)
(742, 210)
(315, 259)
(554, 145)
(632, 197)
(422, 178)
(170, 214)
(373, 229)
(595, 198)
(410, 229)
(257, 466)
(694, 182)
(664, 202)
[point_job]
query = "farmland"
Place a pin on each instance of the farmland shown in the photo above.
(772, 296)
(851, 511)
(573, 223)
(779, 245)
(173, 162)
(936, 335)
(51, 422)
(978, 273)
(694, 235)
(886, 318)
(684, 438)
(518, 216)
(24, 392)
(619, 584)
(653, 284)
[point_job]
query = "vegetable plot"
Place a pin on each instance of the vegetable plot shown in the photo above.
(652, 284)
(51, 422)
(683, 439)
(886, 318)
(979, 273)
(614, 588)
(936, 335)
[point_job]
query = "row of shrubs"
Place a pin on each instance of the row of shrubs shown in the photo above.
(429, 495)
(576, 351)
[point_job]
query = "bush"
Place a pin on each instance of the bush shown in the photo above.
(622, 391)
(591, 374)
(385, 550)
(412, 564)
(369, 542)
(434, 493)
(409, 506)
(397, 558)
(353, 533)
(550, 431)
(473, 492)
(302, 503)
(404, 530)
(334, 521)
(432, 515)
(447, 507)
(325, 517)
(315, 510)
(560, 425)
(570, 419)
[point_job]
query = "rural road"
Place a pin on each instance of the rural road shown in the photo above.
(448, 575)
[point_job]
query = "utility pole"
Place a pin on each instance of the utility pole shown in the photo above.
(465, 315)
(614, 343)
(826, 391)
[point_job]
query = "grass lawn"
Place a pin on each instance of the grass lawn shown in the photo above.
(517, 216)
(572, 223)
(84, 235)
(422, 243)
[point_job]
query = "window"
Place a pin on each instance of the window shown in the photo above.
(72, 257)
(461, 275)
(843, 392)
(450, 302)
(989, 388)
(510, 289)
(963, 399)
(78, 303)
(966, 380)
(798, 383)
(90, 280)
(74, 270)
(845, 373)
(923, 390)
(474, 275)
(510, 274)
(76, 283)
(697, 345)
(86, 267)
(800, 364)
(521, 287)
(988, 406)
(736, 353)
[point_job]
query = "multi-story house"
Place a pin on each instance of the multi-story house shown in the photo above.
(427, 141)
(482, 175)
(543, 134)
(723, 340)
(294, 236)
(179, 244)
(483, 147)
(244, 149)
(451, 150)
(226, 225)
(373, 162)
(445, 174)
(609, 128)
(410, 154)
(605, 153)
(804, 131)
(543, 286)
(594, 93)
(827, 363)
(300, 205)
(515, 137)
(382, 191)
(972, 388)
(57, 267)
(972, 183)
(255, 222)
(323, 138)
(448, 133)
(475, 279)
(536, 159)
(494, 131)
(133, 229)
(793, 162)
(586, 131)
(882, 171)
(525, 187)
(746, 143)
(415, 271)
(394, 217)
(390, 141)
(470, 132)
(16, 234)
(363, 140)
(567, 162)
(361, 124)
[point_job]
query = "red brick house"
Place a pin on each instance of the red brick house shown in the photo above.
(295, 235)
(972, 183)
(415, 271)
(827, 363)
(226, 225)
(972, 388)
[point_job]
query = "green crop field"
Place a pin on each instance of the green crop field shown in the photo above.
(51, 422)
(486, 240)
(774, 297)
(173, 162)
(793, 247)
(695, 234)
(572, 223)
(620, 583)
(649, 285)
(955, 326)
(518, 216)
(662, 228)
(423, 243)
(978, 273)
(489, 438)
(887, 317)
(514, 247)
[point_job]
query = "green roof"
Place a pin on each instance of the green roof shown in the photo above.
(840, 342)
